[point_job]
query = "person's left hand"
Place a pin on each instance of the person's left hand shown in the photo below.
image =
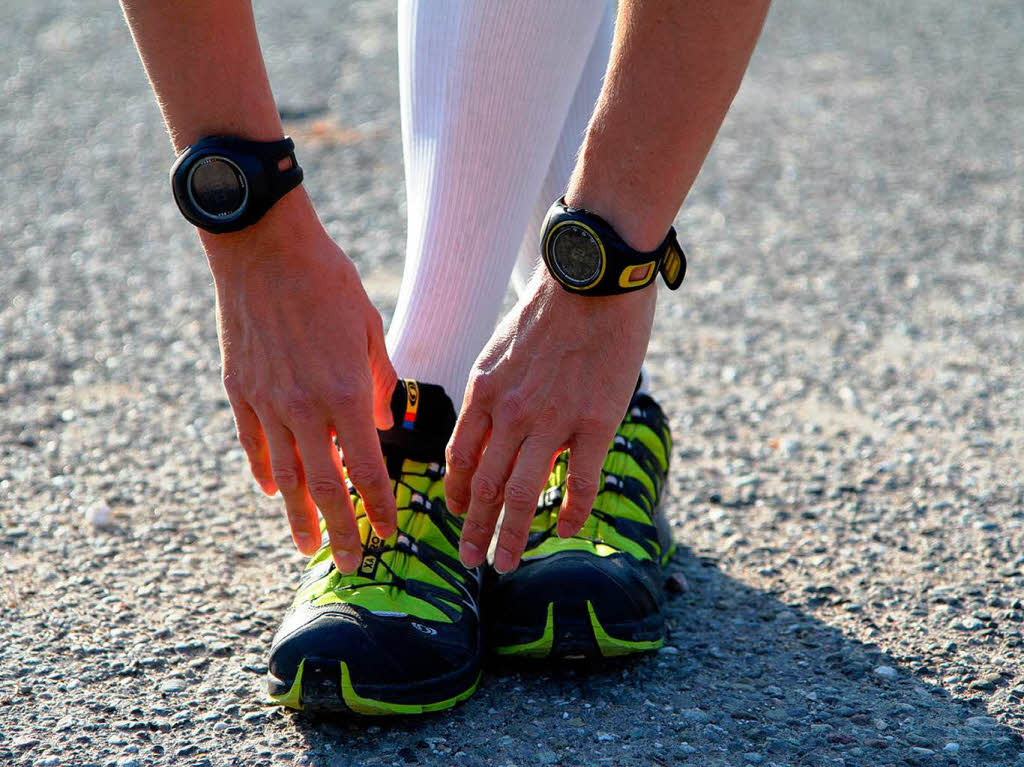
(558, 372)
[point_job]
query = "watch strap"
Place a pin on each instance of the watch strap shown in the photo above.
(625, 269)
(259, 161)
(270, 155)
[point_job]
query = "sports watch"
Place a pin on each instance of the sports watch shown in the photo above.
(223, 184)
(586, 256)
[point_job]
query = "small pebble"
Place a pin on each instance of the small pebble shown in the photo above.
(99, 515)
(886, 672)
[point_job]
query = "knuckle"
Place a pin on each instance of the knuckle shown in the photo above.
(581, 485)
(481, 386)
(592, 426)
(298, 406)
(458, 457)
(518, 495)
(365, 475)
(325, 489)
(288, 478)
(475, 530)
(250, 442)
(456, 497)
(486, 490)
(551, 414)
(514, 409)
(513, 537)
(342, 537)
(345, 396)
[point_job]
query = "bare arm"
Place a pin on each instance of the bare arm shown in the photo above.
(675, 67)
(299, 365)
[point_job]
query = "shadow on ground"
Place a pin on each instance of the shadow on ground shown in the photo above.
(746, 679)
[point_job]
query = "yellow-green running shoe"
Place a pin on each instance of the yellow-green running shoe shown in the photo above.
(599, 593)
(402, 634)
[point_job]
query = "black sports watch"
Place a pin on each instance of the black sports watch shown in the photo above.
(223, 184)
(586, 256)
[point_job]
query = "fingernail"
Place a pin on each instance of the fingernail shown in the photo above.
(305, 542)
(470, 554)
(504, 561)
(347, 561)
(385, 531)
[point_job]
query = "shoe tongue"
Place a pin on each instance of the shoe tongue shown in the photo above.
(424, 420)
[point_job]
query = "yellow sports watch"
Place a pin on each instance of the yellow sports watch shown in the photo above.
(586, 256)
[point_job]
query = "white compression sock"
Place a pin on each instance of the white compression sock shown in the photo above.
(485, 90)
(564, 159)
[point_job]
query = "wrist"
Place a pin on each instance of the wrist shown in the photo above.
(562, 302)
(291, 220)
(625, 213)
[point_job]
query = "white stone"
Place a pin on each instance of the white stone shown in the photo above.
(98, 514)
(886, 672)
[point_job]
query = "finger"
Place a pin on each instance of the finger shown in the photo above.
(326, 484)
(254, 442)
(582, 483)
(364, 463)
(522, 490)
(291, 481)
(463, 454)
(384, 377)
(487, 495)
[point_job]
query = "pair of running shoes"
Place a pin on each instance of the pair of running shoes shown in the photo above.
(405, 634)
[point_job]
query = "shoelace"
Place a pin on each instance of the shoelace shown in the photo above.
(402, 542)
(630, 488)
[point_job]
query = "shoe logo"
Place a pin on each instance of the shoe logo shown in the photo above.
(368, 566)
(425, 629)
(412, 403)
(371, 556)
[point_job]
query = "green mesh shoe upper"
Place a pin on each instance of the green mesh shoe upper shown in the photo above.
(401, 634)
(598, 593)
(623, 518)
(416, 571)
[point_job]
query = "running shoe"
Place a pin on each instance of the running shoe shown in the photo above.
(402, 634)
(600, 593)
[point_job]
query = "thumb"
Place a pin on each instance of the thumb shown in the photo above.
(384, 378)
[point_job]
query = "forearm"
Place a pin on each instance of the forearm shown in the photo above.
(204, 62)
(675, 68)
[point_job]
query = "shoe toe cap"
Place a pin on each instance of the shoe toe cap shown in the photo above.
(620, 588)
(378, 650)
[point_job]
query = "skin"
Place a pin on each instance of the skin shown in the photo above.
(301, 367)
(673, 72)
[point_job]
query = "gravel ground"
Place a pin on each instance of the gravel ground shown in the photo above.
(842, 370)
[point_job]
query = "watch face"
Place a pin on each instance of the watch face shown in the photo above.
(216, 186)
(576, 255)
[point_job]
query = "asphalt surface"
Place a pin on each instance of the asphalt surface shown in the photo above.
(842, 369)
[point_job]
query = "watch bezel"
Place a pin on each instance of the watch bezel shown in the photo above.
(197, 162)
(558, 271)
(256, 163)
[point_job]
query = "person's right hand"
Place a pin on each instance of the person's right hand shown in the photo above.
(304, 359)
